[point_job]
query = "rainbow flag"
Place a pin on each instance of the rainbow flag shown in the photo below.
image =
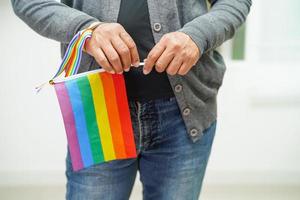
(96, 118)
(95, 110)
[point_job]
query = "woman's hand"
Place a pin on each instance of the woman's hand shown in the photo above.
(176, 53)
(113, 48)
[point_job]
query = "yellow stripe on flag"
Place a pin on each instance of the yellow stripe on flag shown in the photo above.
(102, 116)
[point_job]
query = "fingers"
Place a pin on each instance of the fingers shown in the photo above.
(164, 60)
(153, 56)
(184, 68)
(113, 57)
(113, 48)
(135, 60)
(101, 59)
(176, 52)
(123, 52)
(174, 66)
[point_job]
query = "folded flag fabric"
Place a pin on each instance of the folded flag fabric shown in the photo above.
(95, 110)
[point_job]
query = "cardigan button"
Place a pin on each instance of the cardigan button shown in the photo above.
(157, 27)
(178, 88)
(186, 111)
(193, 132)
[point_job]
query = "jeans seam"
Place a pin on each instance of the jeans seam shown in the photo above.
(139, 124)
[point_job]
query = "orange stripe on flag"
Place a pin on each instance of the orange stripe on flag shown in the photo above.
(124, 115)
(113, 114)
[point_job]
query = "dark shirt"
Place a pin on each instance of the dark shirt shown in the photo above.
(134, 17)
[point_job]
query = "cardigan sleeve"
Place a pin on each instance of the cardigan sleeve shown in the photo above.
(52, 19)
(219, 24)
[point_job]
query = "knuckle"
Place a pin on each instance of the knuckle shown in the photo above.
(166, 37)
(184, 54)
(105, 30)
(170, 70)
(118, 25)
(106, 68)
(102, 60)
(151, 56)
(125, 36)
(124, 50)
(114, 58)
(176, 45)
(159, 68)
(111, 28)
(96, 38)
(131, 45)
(159, 64)
(159, 48)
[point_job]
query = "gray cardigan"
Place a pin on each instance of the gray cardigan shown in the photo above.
(196, 92)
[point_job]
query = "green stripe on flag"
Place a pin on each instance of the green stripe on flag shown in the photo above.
(90, 117)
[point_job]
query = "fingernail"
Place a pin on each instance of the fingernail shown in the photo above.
(112, 71)
(120, 72)
(136, 64)
(145, 71)
(126, 69)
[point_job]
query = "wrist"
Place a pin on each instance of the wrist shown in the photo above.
(92, 27)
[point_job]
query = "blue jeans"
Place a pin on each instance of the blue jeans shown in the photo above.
(171, 166)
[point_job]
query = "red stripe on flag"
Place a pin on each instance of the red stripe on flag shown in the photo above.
(124, 113)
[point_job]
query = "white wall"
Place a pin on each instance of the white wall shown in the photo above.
(31, 130)
(258, 135)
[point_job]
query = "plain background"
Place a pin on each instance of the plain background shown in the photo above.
(258, 133)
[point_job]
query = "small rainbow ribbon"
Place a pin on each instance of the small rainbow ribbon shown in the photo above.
(71, 60)
(95, 110)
